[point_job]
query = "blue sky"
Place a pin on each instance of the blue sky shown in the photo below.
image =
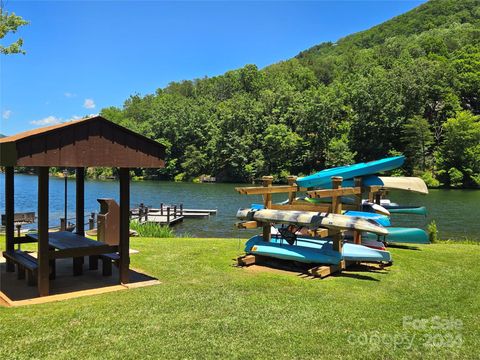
(86, 55)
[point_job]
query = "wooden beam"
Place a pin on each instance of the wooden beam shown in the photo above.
(327, 270)
(267, 203)
(302, 207)
(321, 233)
(248, 225)
(80, 200)
(246, 260)
(334, 192)
(266, 190)
(124, 243)
(43, 249)
(9, 214)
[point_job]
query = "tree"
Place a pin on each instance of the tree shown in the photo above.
(460, 151)
(9, 23)
(195, 161)
(280, 145)
(339, 152)
(417, 137)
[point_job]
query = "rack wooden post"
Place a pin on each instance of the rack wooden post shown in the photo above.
(293, 194)
(357, 236)
(267, 203)
(337, 209)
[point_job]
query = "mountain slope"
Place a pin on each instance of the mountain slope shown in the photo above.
(387, 90)
(434, 14)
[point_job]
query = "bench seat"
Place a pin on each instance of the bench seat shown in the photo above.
(107, 260)
(25, 263)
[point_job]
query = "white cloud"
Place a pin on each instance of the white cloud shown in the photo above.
(76, 117)
(89, 104)
(70, 95)
(6, 114)
(49, 120)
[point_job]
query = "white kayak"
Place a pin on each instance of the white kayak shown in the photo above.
(312, 219)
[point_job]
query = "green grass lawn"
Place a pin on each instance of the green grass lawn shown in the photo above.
(206, 308)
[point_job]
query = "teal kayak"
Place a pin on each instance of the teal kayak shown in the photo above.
(381, 219)
(401, 235)
(314, 251)
(323, 178)
(399, 209)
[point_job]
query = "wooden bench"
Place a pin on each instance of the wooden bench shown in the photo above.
(107, 260)
(25, 264)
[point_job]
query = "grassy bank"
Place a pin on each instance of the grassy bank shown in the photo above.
(206, 308)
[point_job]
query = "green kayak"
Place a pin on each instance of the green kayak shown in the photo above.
(400, 235)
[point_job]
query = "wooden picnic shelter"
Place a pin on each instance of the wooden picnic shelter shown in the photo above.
(90, 142)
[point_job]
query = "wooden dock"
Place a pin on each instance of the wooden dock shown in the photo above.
(169, 214)
(187, 213)
(164, 219)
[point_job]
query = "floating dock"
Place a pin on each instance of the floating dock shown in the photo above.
(169, 214)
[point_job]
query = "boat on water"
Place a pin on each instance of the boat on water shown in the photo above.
(315, 251)
(323, 178)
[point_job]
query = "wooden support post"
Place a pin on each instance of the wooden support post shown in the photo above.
(291, 195)
(357, 236)
(146, 214)
(80, 200)
(9, 214)
(174, 211)
(168, 215)
(63, 224)
(267, 203)
(358, 197)
(124, 244)
(336, 200)
(78, 266)
(91, 222)
(181, 209)
(161, 209)
(43, 249)
(93, 262)
(378, 197)
(337, 209)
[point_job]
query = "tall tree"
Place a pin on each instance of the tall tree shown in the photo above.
(9, 23)
(417, 137)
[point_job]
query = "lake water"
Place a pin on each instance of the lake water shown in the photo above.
(456, 212)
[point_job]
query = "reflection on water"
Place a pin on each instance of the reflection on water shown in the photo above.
(455, 211)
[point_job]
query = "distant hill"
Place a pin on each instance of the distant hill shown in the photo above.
(386, 90)
(2, 136)
(435, 14)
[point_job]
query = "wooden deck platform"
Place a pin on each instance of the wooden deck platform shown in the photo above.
(168, 215)
(14, 292)
(164, 219)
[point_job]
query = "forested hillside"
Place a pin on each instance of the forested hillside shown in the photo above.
(410, 85)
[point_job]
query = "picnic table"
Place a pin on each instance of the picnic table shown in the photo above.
(64, 244)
